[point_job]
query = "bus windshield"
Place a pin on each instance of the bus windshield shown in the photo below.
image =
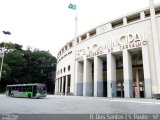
(42, 89)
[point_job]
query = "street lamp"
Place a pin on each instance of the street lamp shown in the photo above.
(6, 33)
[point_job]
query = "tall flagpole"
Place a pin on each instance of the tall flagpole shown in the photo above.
(75, 44)
(76, 24)
(74, 7)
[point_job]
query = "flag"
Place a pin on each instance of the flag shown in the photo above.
(72, 6)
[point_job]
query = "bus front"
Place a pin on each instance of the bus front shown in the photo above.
(41, 90)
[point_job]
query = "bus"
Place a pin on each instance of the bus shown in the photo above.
(35, 90)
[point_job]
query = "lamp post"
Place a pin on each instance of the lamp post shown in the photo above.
(3, 51)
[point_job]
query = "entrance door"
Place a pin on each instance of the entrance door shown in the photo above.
(139, 83)
(34, 91)
(9, 93)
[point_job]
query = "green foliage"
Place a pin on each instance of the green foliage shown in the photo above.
(16, 62)
(26, 66)
(10, 46)
(6, 72)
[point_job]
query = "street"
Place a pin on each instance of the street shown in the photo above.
(77, 105)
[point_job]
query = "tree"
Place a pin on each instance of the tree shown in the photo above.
(17, 63)
(10, 47)
(41, 65)
(28, 66)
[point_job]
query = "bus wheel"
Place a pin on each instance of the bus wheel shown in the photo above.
(29, 95)
(12, 95)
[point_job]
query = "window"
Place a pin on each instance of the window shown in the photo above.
(70, 44)
(78, 40)
(147, 13)
(20, 88)
(13, 88)
(133, 18)
(157, 10)
(83, 37)
(92, 33)
(64, 69)
(117, 23)
(23, 88)
(69, 68)
(66, 47)
(69, 52)
(16, 88)
(28, 88)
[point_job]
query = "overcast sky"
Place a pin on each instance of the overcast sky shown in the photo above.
(49, 24)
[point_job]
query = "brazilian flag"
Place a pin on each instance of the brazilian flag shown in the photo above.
(72, 6)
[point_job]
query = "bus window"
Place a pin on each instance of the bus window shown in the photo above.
(20, 88)
(16, 88)
(23, 88)
(30, 89)
(13, 88)
(26, 88)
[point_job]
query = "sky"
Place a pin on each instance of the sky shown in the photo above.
(50, 24)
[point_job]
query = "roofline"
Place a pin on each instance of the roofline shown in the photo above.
(109, 21)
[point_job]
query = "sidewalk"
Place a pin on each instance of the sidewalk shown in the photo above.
(131, 100)
(136, 100)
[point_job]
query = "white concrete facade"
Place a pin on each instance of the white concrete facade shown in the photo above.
(120, 58)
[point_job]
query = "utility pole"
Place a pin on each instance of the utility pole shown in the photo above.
(3, 52)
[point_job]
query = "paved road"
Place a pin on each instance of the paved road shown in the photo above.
(72, 104)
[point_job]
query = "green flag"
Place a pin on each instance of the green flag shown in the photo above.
(72, 6)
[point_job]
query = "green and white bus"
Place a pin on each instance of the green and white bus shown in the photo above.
(35, 90)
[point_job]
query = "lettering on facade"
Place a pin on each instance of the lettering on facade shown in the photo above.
(103, 29)
(128, 41)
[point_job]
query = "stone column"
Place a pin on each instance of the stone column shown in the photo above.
(59, 85)
(147, 74)
(109, 26)
(111, 76)
(87, 35)
(121, 89)
(142, 15)
(79, 39)
(62, 85)
(79, 79)
(127, 73)
(66, 87)
(56, 87)
(98, 77)
(124, 21)
(87, 77)
(156, 46)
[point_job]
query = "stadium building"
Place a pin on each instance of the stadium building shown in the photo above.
(120, 58)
